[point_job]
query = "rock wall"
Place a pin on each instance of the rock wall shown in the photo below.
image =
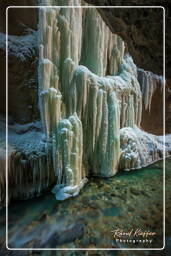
(22, 61)
(145, 43)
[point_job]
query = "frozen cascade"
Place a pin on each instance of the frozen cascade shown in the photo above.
(100, 56)
(90, 97)
(98, 102)
(61, 49)
(58, 32)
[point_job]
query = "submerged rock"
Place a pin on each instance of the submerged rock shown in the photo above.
(67, 235)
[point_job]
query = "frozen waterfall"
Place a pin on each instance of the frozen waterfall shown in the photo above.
(91, 97)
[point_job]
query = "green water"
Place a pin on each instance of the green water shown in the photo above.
(130, 200)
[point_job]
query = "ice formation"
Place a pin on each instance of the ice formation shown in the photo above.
(100, 56)
(67, 157)
(102, 103)
(149, 82)
(139, 148)
(30, 169)
(91, 97)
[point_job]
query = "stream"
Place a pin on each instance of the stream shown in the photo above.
(129, 201)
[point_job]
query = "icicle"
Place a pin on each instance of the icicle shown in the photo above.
(149, 82)
(68, 70)
(82, 109)
(99, 45)
(51, 112)
(90, 97)
(27, 173)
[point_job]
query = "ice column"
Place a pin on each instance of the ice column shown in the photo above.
(99, 103)
(102, 51)
(149, 82)
(59, 41)
(67, 157)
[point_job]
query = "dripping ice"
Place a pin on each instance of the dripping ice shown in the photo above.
(105, 109)
(91, 96)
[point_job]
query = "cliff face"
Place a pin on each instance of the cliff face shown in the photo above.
(90, 96)
(22, 62)
(142, 32)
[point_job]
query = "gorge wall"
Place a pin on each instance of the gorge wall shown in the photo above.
(91, 98)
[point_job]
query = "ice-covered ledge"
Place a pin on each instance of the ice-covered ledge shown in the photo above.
(139, 148)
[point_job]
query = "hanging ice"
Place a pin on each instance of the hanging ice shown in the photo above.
(89, 91)
(149, 82)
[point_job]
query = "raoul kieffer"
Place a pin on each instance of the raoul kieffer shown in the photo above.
(132, 233)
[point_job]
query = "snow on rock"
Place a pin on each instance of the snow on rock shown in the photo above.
(139, 148)
(30, 169)
(23, 47)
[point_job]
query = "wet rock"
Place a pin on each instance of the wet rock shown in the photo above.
(131, 209)
(121, 197)
(73, 232)
(135, 191)
(85, 200)
(113, 211)
(94, 197)
(93, 205)
(44, 217)
(113, 194)
(93, 240)
(93, 213)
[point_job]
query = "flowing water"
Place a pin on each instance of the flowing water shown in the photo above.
(130, 200)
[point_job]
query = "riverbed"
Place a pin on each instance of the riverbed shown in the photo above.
(127, 203)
